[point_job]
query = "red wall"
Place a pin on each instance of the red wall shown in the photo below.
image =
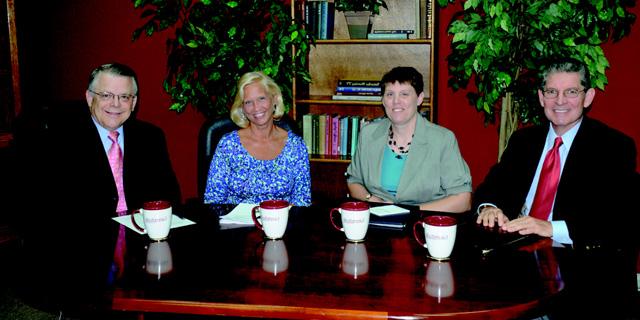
(86, 33)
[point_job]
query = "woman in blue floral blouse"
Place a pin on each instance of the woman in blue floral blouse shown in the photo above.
(260, 161)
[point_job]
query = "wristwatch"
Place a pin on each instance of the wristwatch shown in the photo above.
(367, 197)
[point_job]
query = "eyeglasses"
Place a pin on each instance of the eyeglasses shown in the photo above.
(108, 96)
(568, 93)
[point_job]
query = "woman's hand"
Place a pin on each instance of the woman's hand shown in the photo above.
(378, 199)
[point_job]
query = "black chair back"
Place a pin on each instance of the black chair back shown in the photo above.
(211, 132)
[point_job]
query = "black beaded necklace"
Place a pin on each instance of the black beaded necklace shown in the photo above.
(402, 150)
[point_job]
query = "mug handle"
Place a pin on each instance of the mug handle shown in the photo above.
(133, 220)
(255, 219)
(333, 220)
(415, 233)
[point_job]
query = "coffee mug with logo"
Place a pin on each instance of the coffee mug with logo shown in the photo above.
(271, 216)
(157, 219)
(355, 220)
(439, 234)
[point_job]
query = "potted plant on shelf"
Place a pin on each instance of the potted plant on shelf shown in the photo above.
(358, 14)
(215, 42)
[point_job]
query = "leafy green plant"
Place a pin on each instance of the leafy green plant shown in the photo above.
(216, 42)
(361, 5)
(502, 44)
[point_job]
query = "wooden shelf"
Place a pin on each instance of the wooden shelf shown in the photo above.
(328, 158)
(368, 41)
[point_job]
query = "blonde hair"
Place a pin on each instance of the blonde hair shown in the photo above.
(272, 89)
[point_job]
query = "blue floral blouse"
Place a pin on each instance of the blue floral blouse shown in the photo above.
(237, 177)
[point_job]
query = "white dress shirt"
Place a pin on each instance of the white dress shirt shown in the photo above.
(560, 231)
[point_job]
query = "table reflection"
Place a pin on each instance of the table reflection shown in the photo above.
(159, 259)
(355, 261)
(275, 258)
(439, 282)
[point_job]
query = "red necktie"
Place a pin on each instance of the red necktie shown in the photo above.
(548, 183)
(115, 161)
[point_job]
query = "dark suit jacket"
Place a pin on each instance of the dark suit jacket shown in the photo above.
(597, 189)
(71, 192)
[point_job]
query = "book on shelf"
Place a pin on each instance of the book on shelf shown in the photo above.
(348, 89)
(387, 36)
(335, 135)
(429, 20)
(392, 31)
(344, 136)
(360, 97)
(358, 83)
(322, 133)
(315, 129)
(307, 131)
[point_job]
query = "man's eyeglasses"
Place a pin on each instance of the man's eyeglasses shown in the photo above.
(108, 96)
(568, 93)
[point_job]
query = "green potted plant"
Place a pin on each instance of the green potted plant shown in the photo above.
(215, 42)
(501, 45)
(358, 14)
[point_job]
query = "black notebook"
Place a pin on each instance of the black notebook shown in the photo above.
(397, 218)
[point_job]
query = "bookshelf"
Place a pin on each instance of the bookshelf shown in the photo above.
(362, 59)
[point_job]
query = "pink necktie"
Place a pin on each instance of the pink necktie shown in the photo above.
(548, 183)
(115, 161)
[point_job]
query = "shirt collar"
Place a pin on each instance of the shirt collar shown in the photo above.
(567, 137)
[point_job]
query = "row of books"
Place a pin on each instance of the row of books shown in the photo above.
(319, 17)
(363, 90)
(335, 135)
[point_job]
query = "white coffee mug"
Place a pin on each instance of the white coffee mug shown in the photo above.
(355, 261)
(440, 235)
(439, 280)
(275, 258)
(159, 259)
(271, 216)
(355, 220)
(157, 219)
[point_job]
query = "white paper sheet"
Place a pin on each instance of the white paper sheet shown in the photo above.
(241, 214)
(176, 222)
(387, 210)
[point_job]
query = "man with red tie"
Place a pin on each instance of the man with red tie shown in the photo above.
(572, 180)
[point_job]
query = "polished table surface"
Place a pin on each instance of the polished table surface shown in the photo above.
(314, 273)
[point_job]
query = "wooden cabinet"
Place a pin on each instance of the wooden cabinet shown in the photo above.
(9, 72)
(362, 59)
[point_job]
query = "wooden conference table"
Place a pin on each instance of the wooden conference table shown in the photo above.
(313, 272)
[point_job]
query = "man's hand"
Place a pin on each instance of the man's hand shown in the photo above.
(529, 225)
(489, 216)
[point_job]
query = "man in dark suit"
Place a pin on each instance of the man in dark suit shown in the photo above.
(594, 197)
(588, 204)
(76, 187)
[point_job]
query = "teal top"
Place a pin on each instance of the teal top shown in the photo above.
(392, 166)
